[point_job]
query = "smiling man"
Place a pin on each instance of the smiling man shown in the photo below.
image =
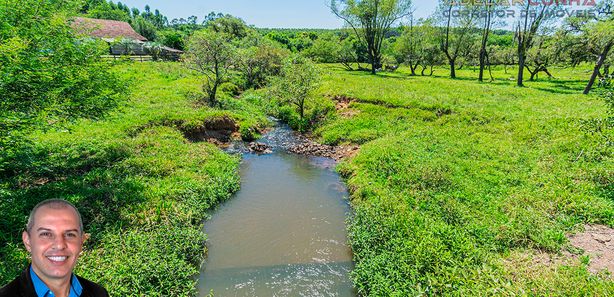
(54, 238)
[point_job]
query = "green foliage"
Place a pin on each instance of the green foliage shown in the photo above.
(259, 58)
(296, 84)
(171, 38)
(325, 49)
(371, 21)
(47, 75)
(143, 260)
(227, 24)
(211, 54)
(144, 27)
(418, 46)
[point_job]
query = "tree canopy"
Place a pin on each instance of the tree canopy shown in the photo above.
(371, 20)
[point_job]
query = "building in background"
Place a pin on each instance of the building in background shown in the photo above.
(123, 40)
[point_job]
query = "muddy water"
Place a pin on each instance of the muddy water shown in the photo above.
(283, 233)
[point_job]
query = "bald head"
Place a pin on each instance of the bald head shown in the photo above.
(53, 204)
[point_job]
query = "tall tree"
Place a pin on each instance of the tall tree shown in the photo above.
(418, 46)
(456, 36)
(371, 20)
(407, 46)
(532, 17)
(488, 9)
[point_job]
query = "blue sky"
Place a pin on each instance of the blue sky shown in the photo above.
(263, 13)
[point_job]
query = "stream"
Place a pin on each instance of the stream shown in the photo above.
(283, 233)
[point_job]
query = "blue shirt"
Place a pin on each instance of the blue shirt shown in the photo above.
(43, 291)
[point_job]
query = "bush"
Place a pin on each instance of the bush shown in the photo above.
(48, 76)
(230, 89)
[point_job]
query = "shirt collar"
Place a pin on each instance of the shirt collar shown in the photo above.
(43, 291)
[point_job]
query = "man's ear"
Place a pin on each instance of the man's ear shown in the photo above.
(25, 237)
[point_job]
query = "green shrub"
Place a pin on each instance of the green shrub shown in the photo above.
(230, 89)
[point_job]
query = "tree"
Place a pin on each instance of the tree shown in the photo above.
(260, 60)
(603, 36)
(347, 54)
(296, 84)
(233, 26)
(371, 20)
(527, 28)
(456, 37)
(488, 9)
(171, 38)
(600, 34)
(540, 56)
(48, 76)
(211, 54)
(325, 49)
(107, 11)
(418, 46)
(144, 27)
(407, 47)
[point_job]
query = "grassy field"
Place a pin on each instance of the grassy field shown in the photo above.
(144, 189)
(460, 187)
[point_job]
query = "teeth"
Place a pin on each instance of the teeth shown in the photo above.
(57, 259)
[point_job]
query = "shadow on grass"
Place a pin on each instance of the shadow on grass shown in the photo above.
(95, 188)
(378, 75)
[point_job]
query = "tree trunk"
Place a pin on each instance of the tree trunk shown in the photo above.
(482, 64)
(520, 70)
(489, 68)
(533, 74)
(452, 69)
(602, 58)
(212, 100)
(413, 69)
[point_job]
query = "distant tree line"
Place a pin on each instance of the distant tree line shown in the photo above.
(384, 34)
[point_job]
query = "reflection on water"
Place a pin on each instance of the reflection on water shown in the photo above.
(282, 234)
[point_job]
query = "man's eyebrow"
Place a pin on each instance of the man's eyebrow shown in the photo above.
(47, 229)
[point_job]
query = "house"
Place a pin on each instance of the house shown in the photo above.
(122, 38)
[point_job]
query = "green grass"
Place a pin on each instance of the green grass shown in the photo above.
(456, 178)
(457, 187)
(144, 189)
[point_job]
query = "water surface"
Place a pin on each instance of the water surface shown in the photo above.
(283, 233)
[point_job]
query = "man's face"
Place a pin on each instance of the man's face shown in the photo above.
(54, 242)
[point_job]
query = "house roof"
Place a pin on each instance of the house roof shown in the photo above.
(106, 29)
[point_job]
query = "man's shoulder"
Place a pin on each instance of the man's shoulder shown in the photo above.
(91, 288)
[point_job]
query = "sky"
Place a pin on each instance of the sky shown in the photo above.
(263, 13)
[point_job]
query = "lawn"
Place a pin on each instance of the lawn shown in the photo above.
(460, 187)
